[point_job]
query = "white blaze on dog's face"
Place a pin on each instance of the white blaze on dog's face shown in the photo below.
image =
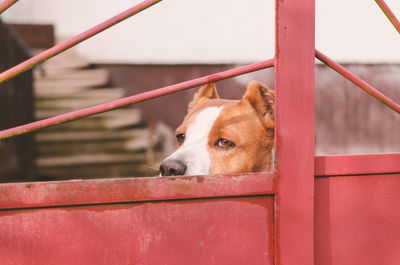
(225, 136)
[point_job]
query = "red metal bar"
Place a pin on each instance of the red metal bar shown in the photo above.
(339, 165)
(294, 88)
(133, 99)
(390, 15)
(4, 5)
(85, 192)
(358, 81)
(41, 57)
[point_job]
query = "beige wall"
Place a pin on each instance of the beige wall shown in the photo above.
(209, 31)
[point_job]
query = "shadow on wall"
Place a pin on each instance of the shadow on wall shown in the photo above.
(347, 119)
(16, 108)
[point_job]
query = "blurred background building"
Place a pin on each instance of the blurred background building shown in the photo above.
(178, 40)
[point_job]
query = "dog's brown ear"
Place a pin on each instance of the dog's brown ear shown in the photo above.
(206, 92)
(262, 100)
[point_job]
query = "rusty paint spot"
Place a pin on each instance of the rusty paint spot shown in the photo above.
(200, 179)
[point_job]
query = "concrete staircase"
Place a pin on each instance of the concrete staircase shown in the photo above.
(112, 144)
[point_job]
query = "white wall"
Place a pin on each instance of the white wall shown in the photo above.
(357, 31)
(214, 31)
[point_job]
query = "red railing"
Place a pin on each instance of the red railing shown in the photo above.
(385, 8)
(165, 90)
(41, 57)
(6, 4)
(291, 187)
(133, 99)
(358, 81)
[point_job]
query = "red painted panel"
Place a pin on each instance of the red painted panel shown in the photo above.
(209, 231)
(357, 164)
(357, 220)
(45, 194)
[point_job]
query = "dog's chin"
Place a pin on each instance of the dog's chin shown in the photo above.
(188, 173)
(196, 173)
(199, 170)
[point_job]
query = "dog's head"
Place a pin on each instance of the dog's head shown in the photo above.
(221, 136)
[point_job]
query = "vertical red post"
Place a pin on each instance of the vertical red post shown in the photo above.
(294, 84)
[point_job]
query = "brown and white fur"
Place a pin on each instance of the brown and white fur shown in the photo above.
(220, 136)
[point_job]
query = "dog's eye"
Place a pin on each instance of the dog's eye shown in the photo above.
(223, 143)
(180, 138)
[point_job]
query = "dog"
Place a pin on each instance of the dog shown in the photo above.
(220, 136)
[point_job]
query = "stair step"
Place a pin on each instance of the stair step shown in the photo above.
(71, 104)
(105, 145)
(90, 159)
(63, 62)
(107, 92)
(83, 78)
(94, 166)
(104, 121)
(55, 92)
(95, 73)
(89, 136)
(96, 171)
(70, 143)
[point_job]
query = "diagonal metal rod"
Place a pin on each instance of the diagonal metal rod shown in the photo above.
(4, 5)
(358, 81)
(133, 99)
(390, 15)
(41, 57)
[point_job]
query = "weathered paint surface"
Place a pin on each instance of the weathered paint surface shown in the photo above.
(357, 164)
(294, 131)
(357, 220)
(49, 194)
(209, 231)
(240, 219)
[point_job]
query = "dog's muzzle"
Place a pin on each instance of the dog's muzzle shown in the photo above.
(172, 167)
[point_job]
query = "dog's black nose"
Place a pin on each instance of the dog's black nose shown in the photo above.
(172, 167)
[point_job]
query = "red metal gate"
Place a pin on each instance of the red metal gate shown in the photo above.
(323, 210)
